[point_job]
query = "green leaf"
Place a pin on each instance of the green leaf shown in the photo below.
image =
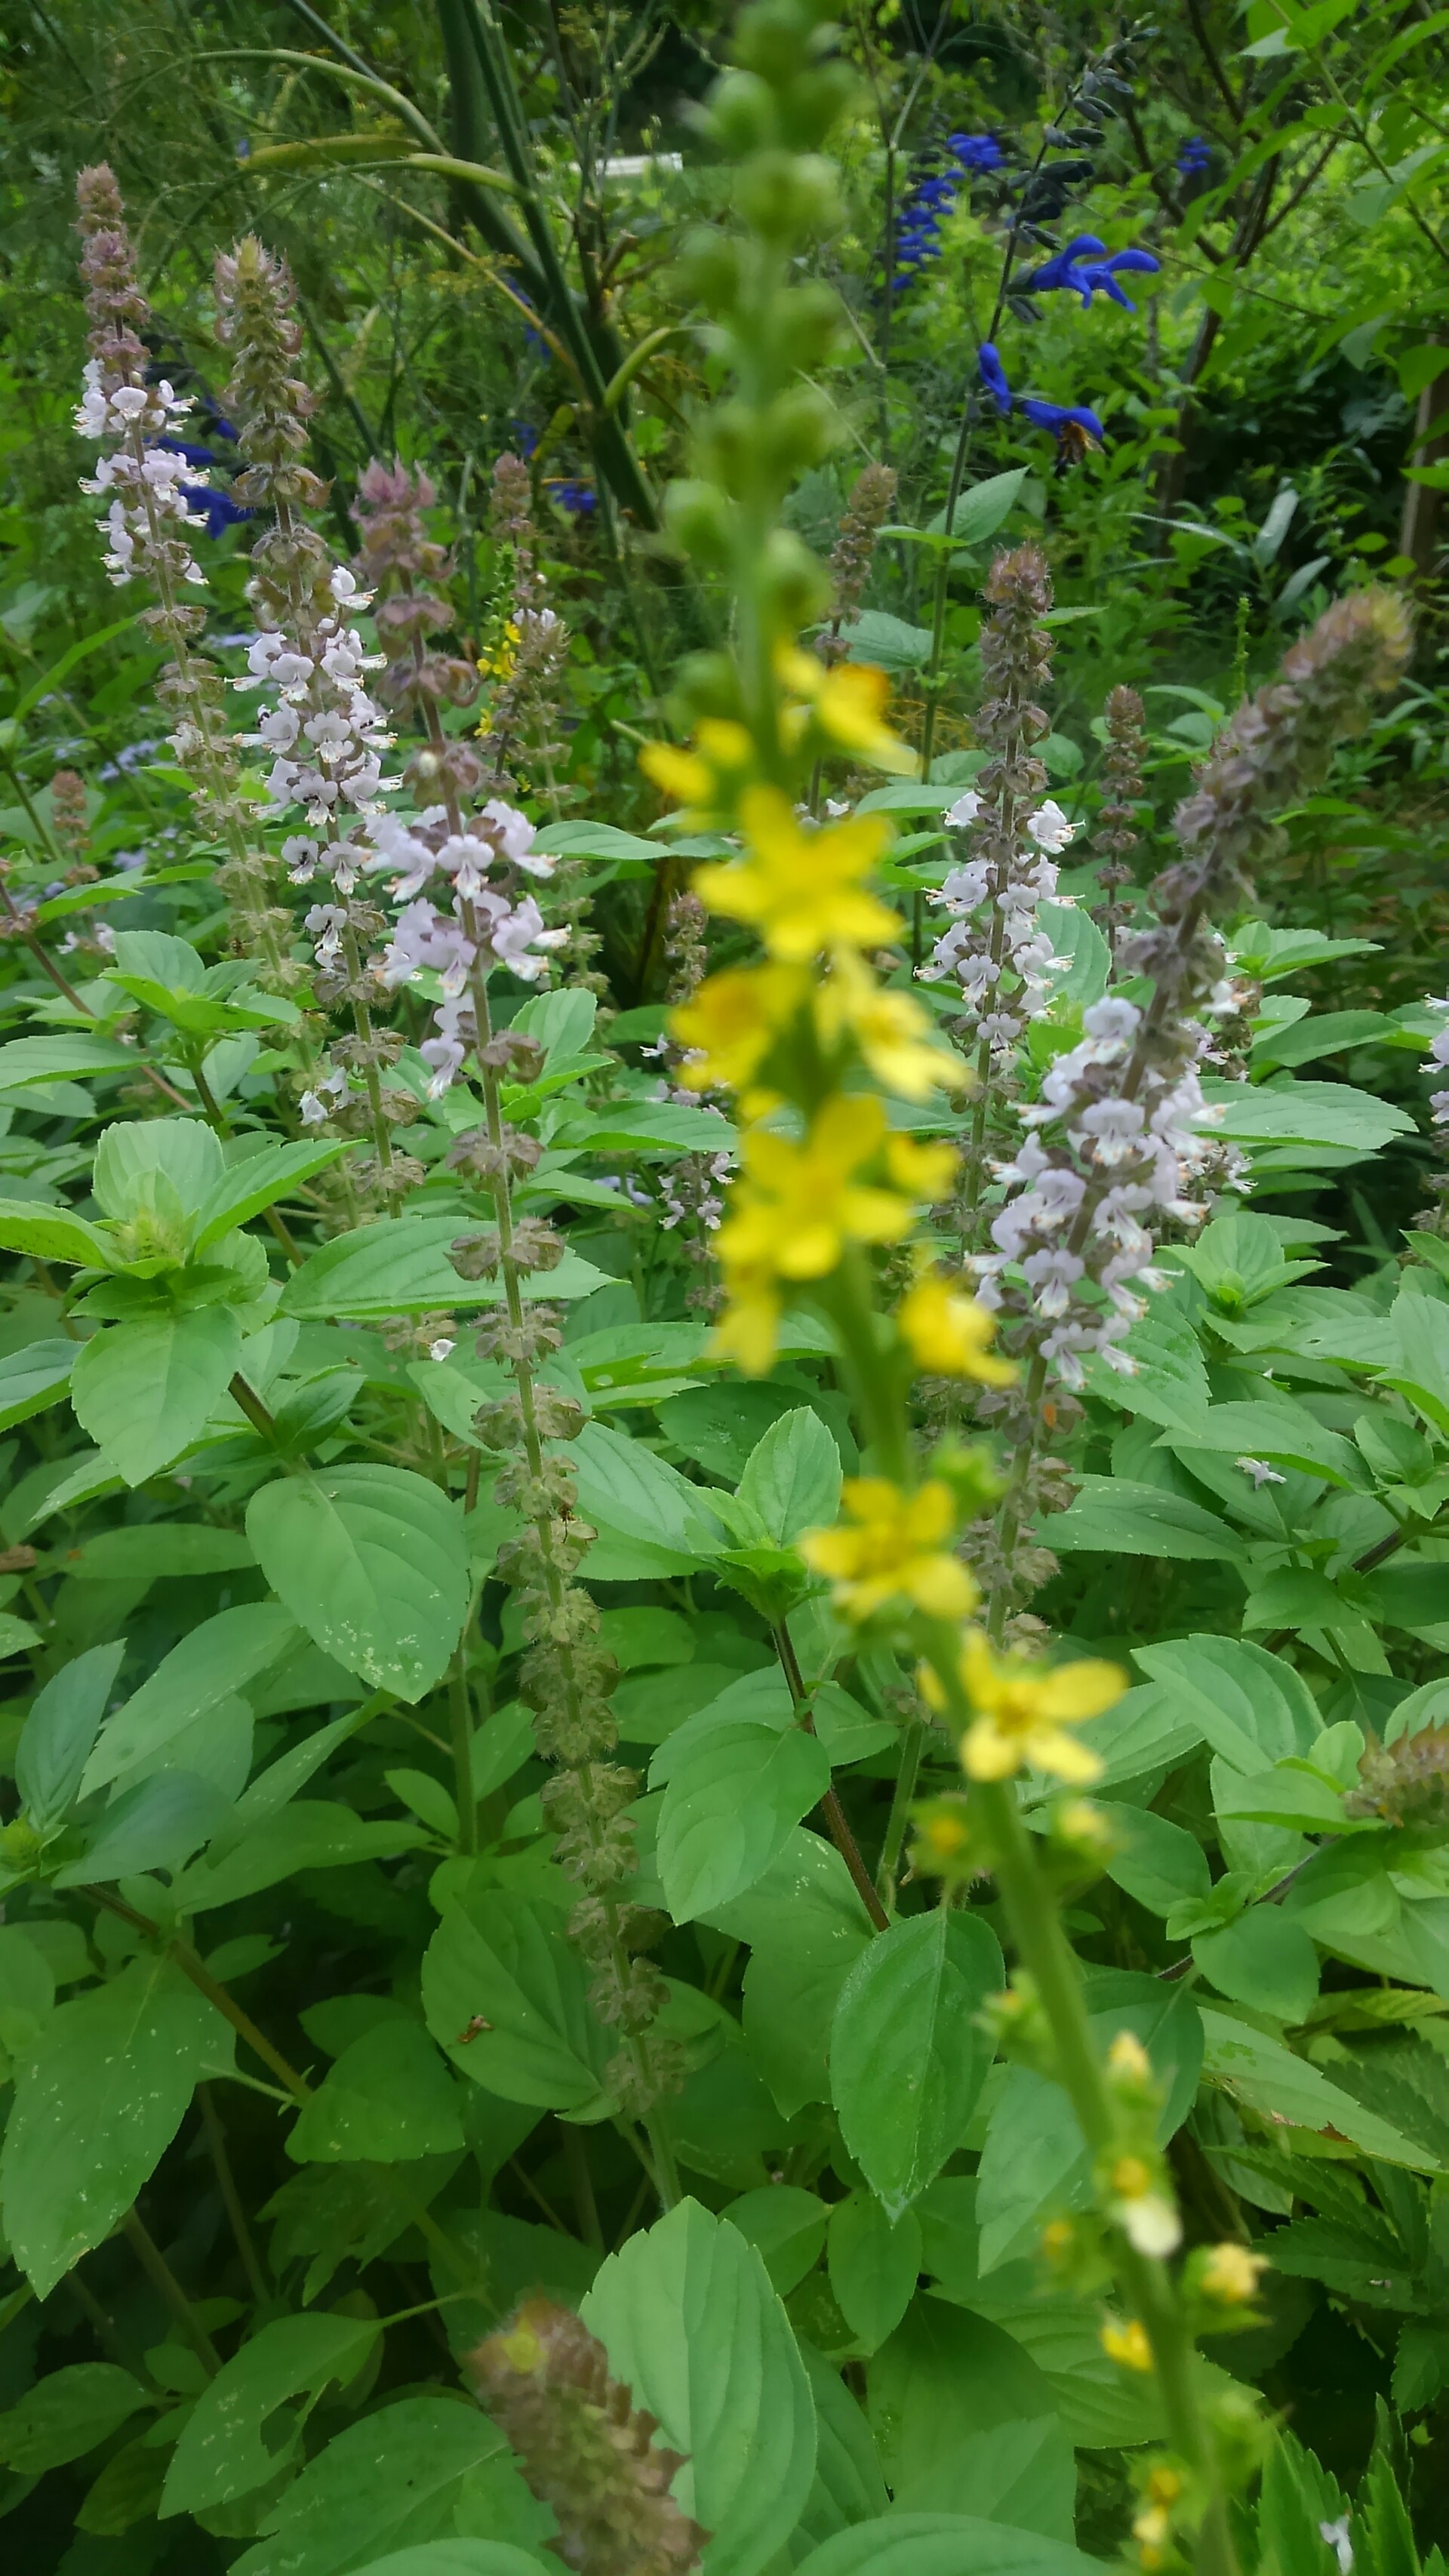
(313, 1833)
(66, 2415)
(385, 1270)
(1279, 1433)
(27, 1993)
(734, 1791)
(158, 1550)
(96, 2108)
(217, 1659)
(1416, 1359)
(460, 2558)
(942, 2544)
(1111, 1516)
(1156, 1861)
(908, 2057)
(874, 2265)
(887, 641)
(56, 1739)
(786, 2225)
(946, 2374)
(372, 1562)
(669, 1127)
(34, 1378)
(52, 1234)
(1250, 1706)
(1035, 2161)
(650, 1519)
(157, 1824)
(1264, 1959)
(981, 511)
(225, 2449)
(59, 1059)
(256, 1182)
(807, 1928)
(1263, 2073)
(145, 1390)
(393, 2478)
(388, 2097)
(689, 2320)
(793, 1476)
(513, 1969)
(1305, 1113)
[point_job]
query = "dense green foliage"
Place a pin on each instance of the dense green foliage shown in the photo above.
(623, 1812)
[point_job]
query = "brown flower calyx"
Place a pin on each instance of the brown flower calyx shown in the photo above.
(514, 1154)
(584, 2448)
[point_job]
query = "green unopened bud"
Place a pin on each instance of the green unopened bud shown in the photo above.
(795, 582)
(708, 271)
(740, 118)
(800, 427)
(789, 197)
(811, 105)
(699, 518)
(20, 1848)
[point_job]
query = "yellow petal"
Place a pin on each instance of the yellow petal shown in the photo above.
(1082, 1690)
(1052, 1750)
(987, 1754)
(941, 1587)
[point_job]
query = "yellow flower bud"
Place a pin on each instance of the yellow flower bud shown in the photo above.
(1126, 2342)
(1231, 2275)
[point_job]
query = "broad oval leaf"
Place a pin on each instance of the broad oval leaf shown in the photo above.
(688, 2318)
(734, 1795)
(907, 2054)
(384, 1270)
(224, 2451)
(145, 1390)
(372, 1562)
(943, 2544)
(541, 2041)
(66, 2415)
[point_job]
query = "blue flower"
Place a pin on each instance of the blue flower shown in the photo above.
(1060, 418)
(1082, 272)
(220, 510)
(993, 376)
(184, 447)
(578, 498)
(525, 438)
(1194, 156)
(976, 152)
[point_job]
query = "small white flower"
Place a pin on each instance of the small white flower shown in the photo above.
(1260, 1471)
(964, 811)
(1049, 827)
(1336, 2535)
(441, 1350)
(1150, 2223)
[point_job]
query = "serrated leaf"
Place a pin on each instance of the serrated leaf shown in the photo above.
(34, 1378)
(372, 1562)
(734, 1794)
(145, 1390)
(688, 2318)
(224, 2449)
(56, 1739)
(395, 2476)
(66, 2415)
(95, 2109)
(513, 1970)
(908, 2056)
(387, 2097)
(404, 1270)
(793, 1476)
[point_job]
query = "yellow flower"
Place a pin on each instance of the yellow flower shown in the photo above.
(946, 1332)
(1128, 2060)
(801, 890)
(700, 777)
(1022, 1709)
(1127, 2343)
(893, 1550)
(848, 704)
(749, 1329)
(1231, 2275)
(499, 664)
(890, 1029)
(927, 1171)
(798, 1206)
(732, 1021)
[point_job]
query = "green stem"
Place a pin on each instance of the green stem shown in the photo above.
(913, 1742)
(261, 2289)
(462, 1731)
(1042, 1944)
(158, 2271)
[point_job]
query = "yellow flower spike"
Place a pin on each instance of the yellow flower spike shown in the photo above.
(1230, 2276)
(1164, 2486)
(680, 774)
(724, 744)
(800, 890)
(927, 1171)
(1022, 1711)
(799, 1205)
(732, 1020)
(848, 703)
(748, 1332)
(894, 1550)
(1126, 2342)
(891, 1030)
(947, 1333)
